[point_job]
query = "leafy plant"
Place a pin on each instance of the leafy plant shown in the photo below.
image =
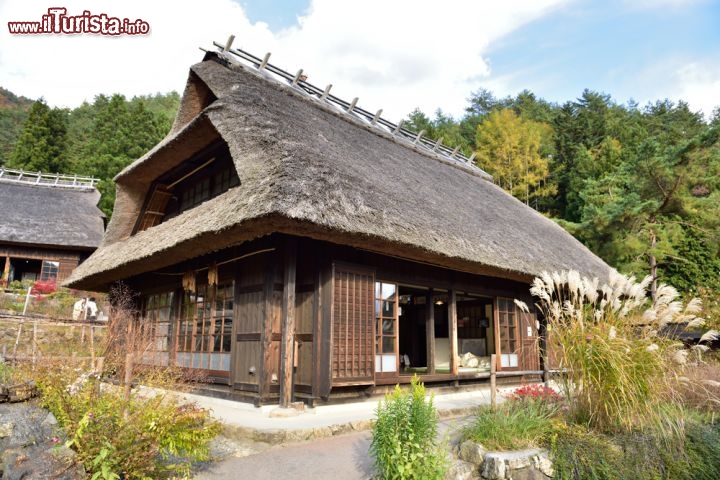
(135, 438)
(535, 392)
(521, 422)
(404, 436)
(44, 287)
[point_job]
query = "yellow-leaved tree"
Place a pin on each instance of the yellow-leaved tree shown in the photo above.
(514, 150)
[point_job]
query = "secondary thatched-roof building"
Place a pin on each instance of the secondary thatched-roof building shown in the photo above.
(48, 224)
(286, 241)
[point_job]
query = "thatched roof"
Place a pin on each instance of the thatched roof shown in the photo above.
(307, 169)
(50, 216)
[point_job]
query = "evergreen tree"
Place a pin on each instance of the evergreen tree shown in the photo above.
(42, 145)
(646, 213)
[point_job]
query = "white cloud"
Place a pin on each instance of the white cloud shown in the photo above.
(395, 55)
(68, 69)
(660, 4)
(695, 81)
(699, 85)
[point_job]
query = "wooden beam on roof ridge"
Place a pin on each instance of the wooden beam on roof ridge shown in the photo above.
(398, 127)
(264, 62)
(326, 92)
(297, 77)
(229, 43)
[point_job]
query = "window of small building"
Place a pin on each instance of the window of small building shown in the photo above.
(49, 270)
(201, 178)
(204, 330)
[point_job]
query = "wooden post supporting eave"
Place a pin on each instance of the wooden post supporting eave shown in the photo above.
(6, 273)
(430, 331)
(452, 319)
(288, 323)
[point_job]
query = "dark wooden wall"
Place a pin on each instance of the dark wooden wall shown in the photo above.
(68, 259)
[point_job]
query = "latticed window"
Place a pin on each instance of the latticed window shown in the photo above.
(49, 270)
(353, 325)
(508, 330)
(386, 328)
(205, 328)
(206, 175)
(156, 321)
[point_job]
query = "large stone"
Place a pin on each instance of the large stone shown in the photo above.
(472, 452)
(461, 470)
(31, 445)
(6, 429)
(41, 462)
(533, 464)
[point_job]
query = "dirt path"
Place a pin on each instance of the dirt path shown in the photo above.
(344, 457)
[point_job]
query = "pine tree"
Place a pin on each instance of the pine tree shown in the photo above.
(42, 145)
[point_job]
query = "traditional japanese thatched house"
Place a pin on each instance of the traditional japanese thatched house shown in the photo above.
(48, 224)
(292, 244)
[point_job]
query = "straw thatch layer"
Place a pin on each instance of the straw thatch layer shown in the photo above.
(310, 170)
(50, 216)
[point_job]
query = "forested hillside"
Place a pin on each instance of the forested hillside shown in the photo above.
(13, 112)
(95, 139)
(639, 185)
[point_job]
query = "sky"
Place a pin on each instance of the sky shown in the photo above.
(396, 55)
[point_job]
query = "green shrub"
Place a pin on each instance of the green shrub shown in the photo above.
(520, 422)
(143, 437)
(580, 453)
(404, 436)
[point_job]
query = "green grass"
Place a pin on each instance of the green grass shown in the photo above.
(7, 373)
(515, 424)
(581, 453)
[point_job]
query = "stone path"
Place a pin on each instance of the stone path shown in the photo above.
(341, 457)
(344, 457)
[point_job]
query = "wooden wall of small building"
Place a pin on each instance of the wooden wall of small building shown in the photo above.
(68, 260)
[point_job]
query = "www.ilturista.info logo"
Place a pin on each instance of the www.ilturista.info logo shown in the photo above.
(58, 22)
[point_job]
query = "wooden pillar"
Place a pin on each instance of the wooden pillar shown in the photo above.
(493, 381)
(452, 320)
(430, 331)
(287, 346)
(6, 273)
(264, 376)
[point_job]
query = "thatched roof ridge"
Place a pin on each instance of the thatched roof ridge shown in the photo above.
(51, 216)
(306, 169)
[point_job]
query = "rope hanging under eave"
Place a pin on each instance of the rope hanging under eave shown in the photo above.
(188, 281)
(212, 274)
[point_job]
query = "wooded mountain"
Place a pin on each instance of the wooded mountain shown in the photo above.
(95, 139)
(640, 186)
